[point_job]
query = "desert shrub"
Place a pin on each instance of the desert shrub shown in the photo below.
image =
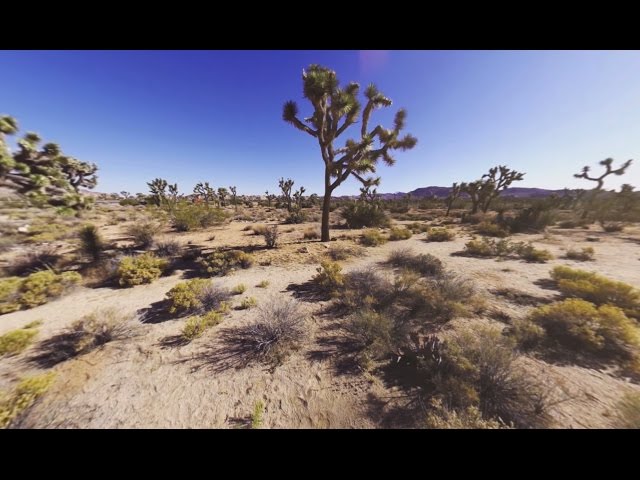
(526, 333)
(478, 369)
(222, 262)
(271, 236)
(473, 218)
(628, 414)
(443, 297)
(572, 223)
(581, 325)
(480, 248)
(145, 268)
(278, 330)
(364, 289)
(533, 218)
(424, 264)
(441, 417)
(44, 258)
(311, 233)
(371, 332)
(596, 289)
(36, 289)
(259, 229)
(372, 238)
(295, 217)
(329, 278)
(611, 227)
(91, 242)
(196, 296)
(194, 327)
(190, 216)
(417, 227)
(440, 235)
(263, 284)
(16, 341)
(257, 415)
(400, 234)
(531, 254)
(247, 303)
(342, 252)
(143, 234)
(491, 229)
(359, 215)
(23, 395)
(583, 255)
(239, 289)
(168, 248)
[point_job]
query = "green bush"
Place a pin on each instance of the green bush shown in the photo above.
(440, 235)
(583, 255)
(628, 415)
(295, 217)
(196, 296)
(329, 278)
(504, 248)
(531, 254)
(196, 326)
(190, 216)
(139, 270)
(221, 263)
(359, 215)
(491, 229)
(91, 242)
(372, 238)
(371, 333)
(527, 334)
(480, 248)
(424, 264)
(23, 395)
(596, 289)
(16, 341)
(400, 234)
(10, 294)
(581, 325)
(36, 289)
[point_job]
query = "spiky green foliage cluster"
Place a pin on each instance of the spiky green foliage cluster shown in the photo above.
(43, 173)
(329, 278)
(91, 242)
(335, 109)
(141, 269)
(36, 289)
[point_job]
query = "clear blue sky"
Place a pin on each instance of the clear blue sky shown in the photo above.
(216, 115)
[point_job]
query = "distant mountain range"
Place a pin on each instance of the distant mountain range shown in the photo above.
(442, 192)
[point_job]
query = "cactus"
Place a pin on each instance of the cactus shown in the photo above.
(44, 174)
(333, 105)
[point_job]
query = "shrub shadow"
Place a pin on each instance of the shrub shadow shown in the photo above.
(157, 312)
(308, 292)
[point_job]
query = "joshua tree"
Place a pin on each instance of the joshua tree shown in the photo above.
(45, 174)
(367, 195)
(125, 194)
(172, 198)
(608, 171)
(158, 190)
(285, 187)
(297, 198)
(205, 191)
(234, 195)
(270, 197)
(222, 195)
(454, 194)
(483, 191)
(332, 105)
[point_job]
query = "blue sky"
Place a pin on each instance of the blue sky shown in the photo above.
(189, 116)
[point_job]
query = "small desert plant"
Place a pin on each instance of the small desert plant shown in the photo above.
(371, 332)
(295, 217)
(239, 289)
(259, 229)
(220, 263)
(168, 248)
(365, 289)
(271, 236)
(145, 268)
(311, 233)
(583, 255)
(441, 417)
(342, 252)
(527, 333)
(359, 215)
(424, 264)
(91, 243)
(36, 289)
(531, 254)
(596, 289)
(329, 278)
(16, 341)
(247, 303)
(417, 227)
(372, 238)
(44, 258)
(400, 234)
(196, 296)
(196, 326)
(491, 229)
(628, 415)
(188, 216)
(278, 330)
(256, 416)
(263, 284)
(23, 395)
(581, 325)
(480, 248)
(440, 235)
(143, 234)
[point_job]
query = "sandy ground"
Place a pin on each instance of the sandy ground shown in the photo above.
(154, 381)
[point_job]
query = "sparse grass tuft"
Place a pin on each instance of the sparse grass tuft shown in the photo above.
(239, 289)
(263, 284)
(247, 303)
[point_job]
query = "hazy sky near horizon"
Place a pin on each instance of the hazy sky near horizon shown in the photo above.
(191, 116)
